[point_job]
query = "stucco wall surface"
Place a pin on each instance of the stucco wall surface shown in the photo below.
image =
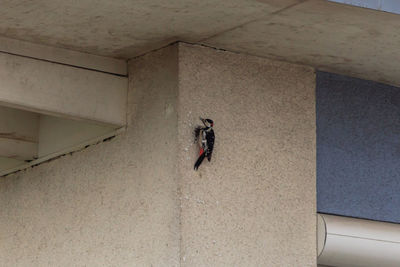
(114, 204)
(136, 201)
(254, 204)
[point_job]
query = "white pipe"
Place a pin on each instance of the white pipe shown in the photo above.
(350, 242)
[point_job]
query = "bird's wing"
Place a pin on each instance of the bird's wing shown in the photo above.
(210, 142)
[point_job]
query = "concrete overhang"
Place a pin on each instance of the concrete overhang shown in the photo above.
(55, 101)
(330, 36)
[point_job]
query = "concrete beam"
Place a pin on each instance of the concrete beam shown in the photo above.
(27, 136)
(19, 132)
(8, 163)
(61, 90)
(19, 125)
(18, 149)
(63, 56)
(58, 134)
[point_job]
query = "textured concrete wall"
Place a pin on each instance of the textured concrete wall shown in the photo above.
(254, 204)
(358, 136)
(114, 204)
(136, 201)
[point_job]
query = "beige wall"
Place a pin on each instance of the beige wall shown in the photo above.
(136, 201)
(255, 203)
(113, 204)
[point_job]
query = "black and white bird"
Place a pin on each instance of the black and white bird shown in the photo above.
(205, 137)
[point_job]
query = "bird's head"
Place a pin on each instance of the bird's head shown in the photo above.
(207, 122)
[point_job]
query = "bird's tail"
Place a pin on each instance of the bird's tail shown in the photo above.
(199, 161)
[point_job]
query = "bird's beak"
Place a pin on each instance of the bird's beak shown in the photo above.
(203, 120)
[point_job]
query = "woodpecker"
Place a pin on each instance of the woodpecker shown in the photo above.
(206, 143)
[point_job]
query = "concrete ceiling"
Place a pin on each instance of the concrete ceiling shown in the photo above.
(125, 28)
(334, 37)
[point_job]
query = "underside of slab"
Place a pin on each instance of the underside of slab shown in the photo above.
(331, 36)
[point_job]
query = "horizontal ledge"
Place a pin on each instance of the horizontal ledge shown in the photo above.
(63, 56)
(17, 149)
(13, 136)
(60, 90)
(62, 152)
